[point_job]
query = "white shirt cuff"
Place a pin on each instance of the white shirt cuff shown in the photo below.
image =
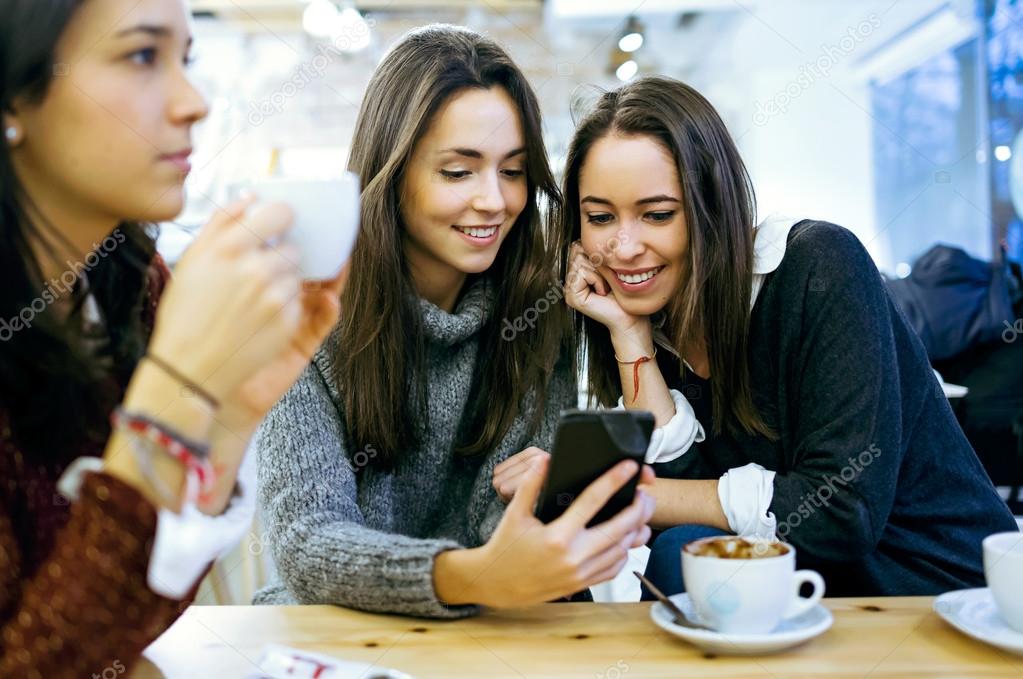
(186, 543)
(746, 494)
(677, 436)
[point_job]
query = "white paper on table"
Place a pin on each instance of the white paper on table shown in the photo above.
(283, 662)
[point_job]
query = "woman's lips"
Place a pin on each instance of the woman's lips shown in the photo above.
(179, 160)
(637, 280)
(480, 236)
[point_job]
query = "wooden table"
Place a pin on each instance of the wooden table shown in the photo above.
(879, 638)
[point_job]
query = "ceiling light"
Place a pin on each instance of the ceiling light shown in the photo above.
(319, 18)
(350, 31)
(630, 42)
(632, 38)
(627, 70)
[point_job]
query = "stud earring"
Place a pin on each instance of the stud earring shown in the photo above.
(11, 133)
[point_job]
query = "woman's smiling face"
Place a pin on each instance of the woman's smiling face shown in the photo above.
(633, 224)
(465, 184)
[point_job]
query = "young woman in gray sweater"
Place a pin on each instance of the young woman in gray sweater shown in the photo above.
(375, 469)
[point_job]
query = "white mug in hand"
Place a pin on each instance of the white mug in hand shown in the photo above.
(1003, 566)
(749, 595)
(326, 219)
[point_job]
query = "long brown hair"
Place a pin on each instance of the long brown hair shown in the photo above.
(56, 391)
(713, 302)
(380, 353)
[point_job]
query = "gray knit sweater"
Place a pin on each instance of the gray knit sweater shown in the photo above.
(342, 532)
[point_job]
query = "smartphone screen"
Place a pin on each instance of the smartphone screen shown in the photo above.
(588, 444)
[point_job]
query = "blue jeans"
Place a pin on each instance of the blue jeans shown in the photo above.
(665, 566)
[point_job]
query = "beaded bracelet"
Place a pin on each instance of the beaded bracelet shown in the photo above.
(149, 436)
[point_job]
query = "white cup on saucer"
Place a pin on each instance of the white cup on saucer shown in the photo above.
(326, 219)
(747, 595)
(1003, 567)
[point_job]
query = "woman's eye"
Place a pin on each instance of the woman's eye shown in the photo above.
(599, 218)
(144, 57)
(513, 174)
(455, 174)
(661, 216)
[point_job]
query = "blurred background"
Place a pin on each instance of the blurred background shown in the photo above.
(899, 119)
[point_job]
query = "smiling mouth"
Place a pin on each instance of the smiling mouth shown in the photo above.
(481, 232)
(638, 277)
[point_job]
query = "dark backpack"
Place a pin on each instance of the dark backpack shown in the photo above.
(967, 313)
(956, 302)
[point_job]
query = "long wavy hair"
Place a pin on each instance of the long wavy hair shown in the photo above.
(380, 355)
(713, 302)
(55, 390)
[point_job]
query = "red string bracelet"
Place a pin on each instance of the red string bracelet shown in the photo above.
(635, 371)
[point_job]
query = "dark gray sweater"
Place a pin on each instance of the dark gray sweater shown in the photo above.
(343, 532)
(876, 486)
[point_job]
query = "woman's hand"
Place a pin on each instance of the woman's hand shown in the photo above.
(526, 562)
(242, 411)
(589, 293)
(237, 321)
(234, 301)
(259, 323)
(509, 475)
(319, 304)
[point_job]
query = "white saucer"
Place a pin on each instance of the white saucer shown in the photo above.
(788, 634)
(974, 613)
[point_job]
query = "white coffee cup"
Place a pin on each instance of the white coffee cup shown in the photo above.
(1003, 567)
(747, 595)
(326, 219)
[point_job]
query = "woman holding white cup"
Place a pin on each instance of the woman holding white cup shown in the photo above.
(97, 114)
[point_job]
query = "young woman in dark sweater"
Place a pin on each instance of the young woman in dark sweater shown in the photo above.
(791, 396)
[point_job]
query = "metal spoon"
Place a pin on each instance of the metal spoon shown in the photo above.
(681, 619)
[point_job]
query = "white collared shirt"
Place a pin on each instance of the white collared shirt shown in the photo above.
(745, 492)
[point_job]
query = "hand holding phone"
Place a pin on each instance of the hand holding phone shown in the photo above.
(588, 444)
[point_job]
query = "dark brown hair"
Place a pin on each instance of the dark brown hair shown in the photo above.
(380, 356)
(713, 302)
(55, 389)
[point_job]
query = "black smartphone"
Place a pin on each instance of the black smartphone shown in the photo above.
(587, 444)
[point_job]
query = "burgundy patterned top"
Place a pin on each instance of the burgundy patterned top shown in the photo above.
(73, 595)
